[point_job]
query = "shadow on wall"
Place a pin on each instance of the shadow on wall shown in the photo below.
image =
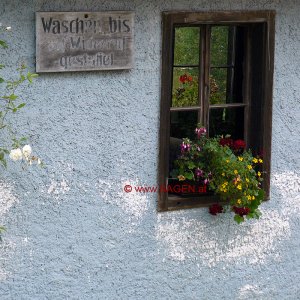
(186, 234)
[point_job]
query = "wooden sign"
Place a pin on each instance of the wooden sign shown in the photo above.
(84, 41)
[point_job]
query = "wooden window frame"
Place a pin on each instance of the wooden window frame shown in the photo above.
(169, 21)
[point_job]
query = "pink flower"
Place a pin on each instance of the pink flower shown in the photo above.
(185, 147)
(200, 131)
(199, 172)
(206, 181)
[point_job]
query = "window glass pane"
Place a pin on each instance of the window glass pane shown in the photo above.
(224, 121)
(226, 85)
(183, 124)
(186, 51)
(185, 87)
(219, 46)
(218, 86)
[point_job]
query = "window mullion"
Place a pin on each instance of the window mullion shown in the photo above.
(201, 72)
(231, 61)
(206, 72)
(246, 87)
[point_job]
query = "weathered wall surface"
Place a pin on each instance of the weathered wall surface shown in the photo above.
(72, 231)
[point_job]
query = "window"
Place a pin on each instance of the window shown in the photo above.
(217, 70)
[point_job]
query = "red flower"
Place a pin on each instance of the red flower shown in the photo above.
(226, 142)
(239, 144)
(183, 78)
(241, 211)
(215, 209)
(190, 78)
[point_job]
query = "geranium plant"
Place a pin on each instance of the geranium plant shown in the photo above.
(186, 91)
(227, 168)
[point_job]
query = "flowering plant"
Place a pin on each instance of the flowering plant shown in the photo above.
(227, 168)
(10, 104)
(186, 90)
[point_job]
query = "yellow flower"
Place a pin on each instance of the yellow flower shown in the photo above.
(225, 191)
(255, 160)
(239, 187)
(260, 161)
(223, 174)
(258, 174)
(253, 197)
(235, 171)
(240, 158)
(181, 177)
(249, 167)
(239, 201)
(237, 179)
(227, 160)
(247, 180)
(249, 197)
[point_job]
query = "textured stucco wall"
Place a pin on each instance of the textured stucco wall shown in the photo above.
(74, 234)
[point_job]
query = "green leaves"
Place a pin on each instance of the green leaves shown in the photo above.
(232, 174)
(10, 101)
(239, 219)
(21, 105)
(3, 44)
(191, 165)
(189, 176)
(2, 229)
(31, 76)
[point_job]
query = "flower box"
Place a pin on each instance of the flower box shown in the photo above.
(188, 188)
(225, 166)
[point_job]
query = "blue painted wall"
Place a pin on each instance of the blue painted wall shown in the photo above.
(72, 231)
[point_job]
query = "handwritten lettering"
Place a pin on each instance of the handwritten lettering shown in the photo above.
(75, 26)
(79, 41)
(98, 60)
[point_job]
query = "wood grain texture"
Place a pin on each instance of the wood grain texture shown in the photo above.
(84, 41)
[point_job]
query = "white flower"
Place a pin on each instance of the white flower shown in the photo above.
(8, 28)
(15, 154)
(26, 151)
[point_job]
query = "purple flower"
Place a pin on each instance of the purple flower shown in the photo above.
(199, 172)
(206, 181)
(200, 131)
(198, 149)
(185, 147)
